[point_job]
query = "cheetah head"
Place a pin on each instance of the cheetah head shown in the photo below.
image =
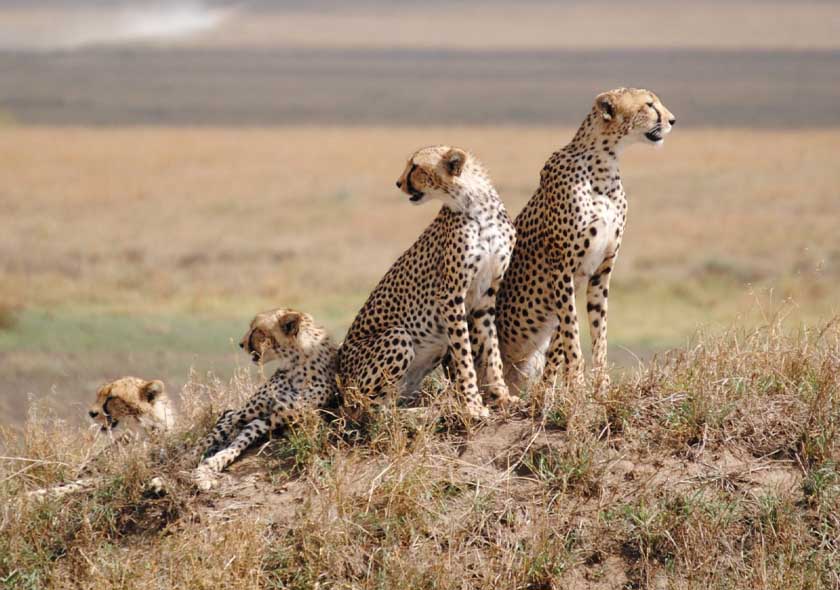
(129, 399)
(280, 335)
(636, 115)
(439, 172)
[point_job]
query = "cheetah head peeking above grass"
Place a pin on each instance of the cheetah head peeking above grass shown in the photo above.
(130, 401)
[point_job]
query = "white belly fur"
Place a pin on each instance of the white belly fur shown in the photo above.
(488, 266)
(532, 365)
(483, 277)
(422, 365)
(602, 245)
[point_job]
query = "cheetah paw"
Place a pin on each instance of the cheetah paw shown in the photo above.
(576, 378)
(511, 402)
(156, 486)
(205, 478)
(478, 412)
(602, 383)
(499, 395)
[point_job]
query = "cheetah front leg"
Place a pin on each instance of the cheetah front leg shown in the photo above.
(457, 330)
(253, 431)
(596, 306)
(565, 344)
(220, 435)
(484, 340)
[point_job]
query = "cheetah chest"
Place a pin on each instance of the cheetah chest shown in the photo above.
(490, 252)
(600, 238)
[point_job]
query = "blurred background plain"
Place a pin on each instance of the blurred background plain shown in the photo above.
(171, 168)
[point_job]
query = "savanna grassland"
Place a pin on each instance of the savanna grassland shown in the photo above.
(171, 168)
(713, 464)
(147, 250)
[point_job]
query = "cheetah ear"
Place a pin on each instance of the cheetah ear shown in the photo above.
(151, 390)
(290, 324)
(454, 161)
(606, 106)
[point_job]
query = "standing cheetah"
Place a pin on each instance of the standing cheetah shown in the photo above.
(305, 380)
(569, 234)
(439, 297)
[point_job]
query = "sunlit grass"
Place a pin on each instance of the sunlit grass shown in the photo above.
(135, 250)
(713, 466)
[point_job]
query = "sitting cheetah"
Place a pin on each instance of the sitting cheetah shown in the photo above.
(140, 407)
(420, 310)
(305, 380)
(569, 234)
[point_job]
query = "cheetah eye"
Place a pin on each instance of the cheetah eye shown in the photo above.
(650, 104)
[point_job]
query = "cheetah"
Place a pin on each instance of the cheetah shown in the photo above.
(438, 300)
(133, 402)
(139, 408)
(568, 235)
(305, 380)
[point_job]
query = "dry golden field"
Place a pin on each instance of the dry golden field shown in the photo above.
(146, 250)
(169, 168)
(714, 467)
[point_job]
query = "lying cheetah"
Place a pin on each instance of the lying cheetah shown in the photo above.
(568, 235)
(137, 406)
(420, 310)
(305, 380)
(133, 402)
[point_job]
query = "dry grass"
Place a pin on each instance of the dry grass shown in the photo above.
(192, 219)
(146, 251)
(713, 466)
(8, 318)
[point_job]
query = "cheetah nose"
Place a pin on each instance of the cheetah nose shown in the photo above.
(672, 121)
(399, 184)
(93, 414)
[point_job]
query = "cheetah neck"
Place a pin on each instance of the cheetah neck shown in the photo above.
(474, 195)
(315, 370)
(599, 153)
(162, 418)
(321, 348)
(594, 131)
(298, 367)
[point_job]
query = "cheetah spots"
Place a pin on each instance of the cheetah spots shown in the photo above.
(576, 217)
(306, 383)
(455, 310)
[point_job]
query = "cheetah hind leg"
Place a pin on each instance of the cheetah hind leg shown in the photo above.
(205, 474)
(384, 369)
